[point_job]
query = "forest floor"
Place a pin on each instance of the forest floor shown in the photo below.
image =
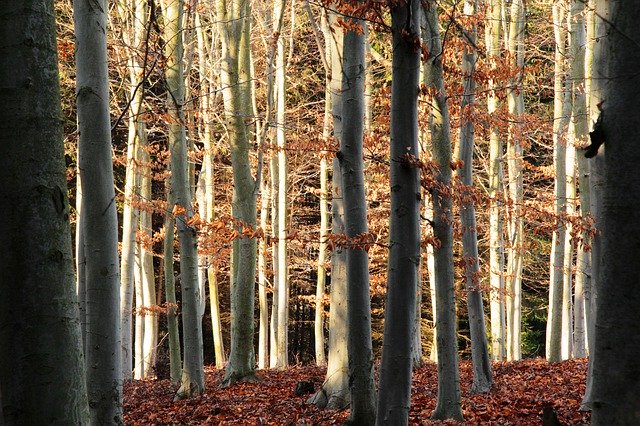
(520, 391)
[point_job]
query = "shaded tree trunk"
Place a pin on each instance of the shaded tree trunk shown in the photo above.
(404, 222)
(449, 403)
(41, 364)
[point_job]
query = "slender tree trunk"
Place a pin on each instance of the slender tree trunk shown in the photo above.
(567, 287)
(561, 117)
(175, 357)
(449, 403)
(41, 364)
(350, 157)
(334, 393)
(515, 101)
(496, 276)
(580, 123)
(104, 373)
(482, 376)
(192, 382)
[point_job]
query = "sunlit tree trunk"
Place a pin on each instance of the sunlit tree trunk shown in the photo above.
(335, 389)
(482, 376)
(515, 101)
(134, 14)
(205, 60)
(234, 27)
(616, 365)
(192, 381)
(567, 286)
(41, 364)
(561, 115)
(496, 244)
(100, 233)
(580, 119)
(449, 402)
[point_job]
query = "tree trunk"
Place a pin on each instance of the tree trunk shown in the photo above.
(449, 403)
(192, 382)
(334, 393)
(616, 366)
(561, 117)
(350, 157)
(496, 276)
(482, 376)
(233, 19)
(404, 222)
(41, 363)
(104, 374)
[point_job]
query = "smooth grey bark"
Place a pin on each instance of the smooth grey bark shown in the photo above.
(404, 223)
(192, 382)
(449, 403)
(234, 26)
(482, 375)
(350, 157)
(41, 363)
(334, 393)
(616, 366)
(100, 233)
(175, 355)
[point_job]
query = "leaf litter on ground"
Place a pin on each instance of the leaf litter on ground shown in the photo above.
(520, 392)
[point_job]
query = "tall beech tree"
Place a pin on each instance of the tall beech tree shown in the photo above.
(41, 364)
(350, 157)
(616, 366)
(449, 404)
(99, 219)
(482, 376)
(192, 382)
(234, 28)
(404, 223)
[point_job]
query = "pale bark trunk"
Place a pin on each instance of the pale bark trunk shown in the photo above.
(192, 382)
(616, 365)
(81, 263)
(561, 118)
(449, 402)
(482, 376)
(334, 393)
(515, 101)
(282, 360)
(41, 364)
(580, 123)
(496, 244)
(361, 382)
(233, 20)
(567, 287)
(104, 375)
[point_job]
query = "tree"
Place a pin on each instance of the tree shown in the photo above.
(479, 347)
(404, 223)
(616, 366)
(496, 261)
(234, 27)
(361, 382)
(334, 393)
(449, 404)
(41, 364)
(100, 233)
(561, 115)
(192, 382)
